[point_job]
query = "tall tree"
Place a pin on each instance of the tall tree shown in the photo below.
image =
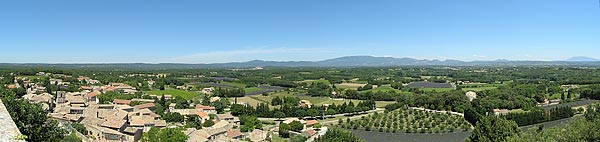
(493, 129)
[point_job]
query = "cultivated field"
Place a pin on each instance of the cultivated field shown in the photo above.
(410, 121)
(173, 92)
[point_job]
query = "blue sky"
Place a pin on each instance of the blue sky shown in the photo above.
(213, 31)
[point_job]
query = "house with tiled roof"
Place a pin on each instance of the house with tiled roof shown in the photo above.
(150, 106)
(206, 109)
(258, 135)
(121, 102)
(234, 134)
(92, 97)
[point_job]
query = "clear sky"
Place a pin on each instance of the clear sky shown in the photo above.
(212, 31)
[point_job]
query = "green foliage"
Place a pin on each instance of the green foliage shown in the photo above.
(494, 129)
(279, 114)
(108, 97)
(296, 126)
(175, 93)
(400, 119)
(590, 92)
(79, 127)
(338, 135)
(31, 119)
(71, 138)
(193, 122)
(298, 138)
(249, 123)
(317, 126)
(276, 101)
(538, 116)
(284, 130)
(578, 129)
(173, 117)
(290, 108)
(164, 135)
(208, 123)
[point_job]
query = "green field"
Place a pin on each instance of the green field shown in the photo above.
(255, 100)
(409, 121)
(239, 85)
(436, 89)
(384, 88)
(252, 89)
(477, 89)
(173, 92)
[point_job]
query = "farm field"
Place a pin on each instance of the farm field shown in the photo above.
(410, 121)
(174, 93)
(255, 100)
(477, 89)
(239, 85)
(352, 86)
(436, 89)
(252, 90)
(384, 88)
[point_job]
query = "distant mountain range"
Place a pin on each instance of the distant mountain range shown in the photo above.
(581, 59)
(348, 61)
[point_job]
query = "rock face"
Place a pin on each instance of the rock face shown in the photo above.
(8, 128)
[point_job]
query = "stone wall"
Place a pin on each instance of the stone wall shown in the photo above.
(8, 128)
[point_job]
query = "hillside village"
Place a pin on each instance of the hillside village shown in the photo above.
(122, 120)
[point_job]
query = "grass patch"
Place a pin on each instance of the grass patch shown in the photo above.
(173, 92)
(477, 89)
(239, 85)
(382, 104)
(436, 89)
(252, 89)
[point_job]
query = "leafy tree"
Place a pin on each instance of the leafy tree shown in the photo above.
(193, 122)
(317, 126)
(298, 138)
(79, 127)
(31, 119)
(338, 135)
(312, 112)
(279, 114)
(284, 130)
(296, 126)
(249, 123)
(493, 129)
(164, 135)
(71, 138)
(208, 123)
(173, 117)
(276, 101)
